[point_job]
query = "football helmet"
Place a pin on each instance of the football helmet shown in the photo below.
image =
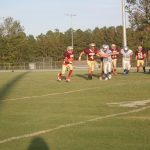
(92, 44)
(105, 46)
(126, 48)
(69, 48)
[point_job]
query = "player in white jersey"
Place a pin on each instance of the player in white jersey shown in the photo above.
(126, 59)
(107, 62)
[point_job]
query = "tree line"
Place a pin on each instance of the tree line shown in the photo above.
(17, 47)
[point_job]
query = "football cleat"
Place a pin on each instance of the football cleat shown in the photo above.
(89, 77)
(58, 77)
(106, 78)
(109, 76)
(68, 80)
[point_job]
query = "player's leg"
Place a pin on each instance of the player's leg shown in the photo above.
(124, 67)
(59, 76)
(101, 70)
(90, 69)
(115, 67)
(106, 70)
(109, 70)
(70, 66)
(143, 65)
(128, 67)
(138, 65)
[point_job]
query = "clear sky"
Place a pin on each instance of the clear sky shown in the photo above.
(39, 16)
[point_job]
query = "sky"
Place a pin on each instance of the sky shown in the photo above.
(40, 16)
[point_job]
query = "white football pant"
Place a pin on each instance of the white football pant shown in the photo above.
(126, 64)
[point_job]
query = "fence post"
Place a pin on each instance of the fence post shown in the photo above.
(43, 62)
(51, 62)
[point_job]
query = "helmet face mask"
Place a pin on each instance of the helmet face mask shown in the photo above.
(105, 47)
(126, 48)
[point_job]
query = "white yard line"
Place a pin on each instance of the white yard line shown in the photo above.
(50, 94)
(71, 125)
(53, 94)
(135, 104)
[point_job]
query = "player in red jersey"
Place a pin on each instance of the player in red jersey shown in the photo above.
(114, 56)
(91, 52)
(67, 63)
(140, 56)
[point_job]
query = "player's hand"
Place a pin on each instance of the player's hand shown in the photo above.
(79, 58)
(105, 55)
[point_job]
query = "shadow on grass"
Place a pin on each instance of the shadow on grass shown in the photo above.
(96, 76)
(6, 89)
(38, 144)
(85, 76)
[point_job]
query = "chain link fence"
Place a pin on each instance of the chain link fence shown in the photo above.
(53, 64)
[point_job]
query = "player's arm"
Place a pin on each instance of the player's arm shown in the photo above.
(80, 55)
(115, 53)
(136, 56)
(103, 55)
(145, 55)
(66, 60)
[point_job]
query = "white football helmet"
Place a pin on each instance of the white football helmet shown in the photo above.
(126, 48)
(105, 46)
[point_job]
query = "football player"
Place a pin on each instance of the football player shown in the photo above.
(107, 62)
(114, 56)
(126, 59)
(67, 63)
(140, 56)
(91, 52)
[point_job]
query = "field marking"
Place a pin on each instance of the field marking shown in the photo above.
(71, 125)
(131, 104)
(53, 94)
(50, 94)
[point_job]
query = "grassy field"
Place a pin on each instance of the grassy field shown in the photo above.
(39, 113)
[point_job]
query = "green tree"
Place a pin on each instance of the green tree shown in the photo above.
(139, 13)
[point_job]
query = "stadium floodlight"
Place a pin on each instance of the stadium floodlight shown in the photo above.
(72, 38)
(124, 24)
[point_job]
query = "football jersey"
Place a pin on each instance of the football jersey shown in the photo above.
(140, 55)
(114, 56)
(109, 52)
(126, 54)
(91, 53)
(68, 57)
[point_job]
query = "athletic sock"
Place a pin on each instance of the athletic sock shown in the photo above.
(89, 76)
(137, 69)
(69, 74)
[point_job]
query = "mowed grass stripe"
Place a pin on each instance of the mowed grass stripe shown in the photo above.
(71, 125)
(60, 93)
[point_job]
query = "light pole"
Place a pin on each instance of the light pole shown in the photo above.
(71, 16)
(124, 24)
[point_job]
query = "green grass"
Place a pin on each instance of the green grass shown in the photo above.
(84, 101)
